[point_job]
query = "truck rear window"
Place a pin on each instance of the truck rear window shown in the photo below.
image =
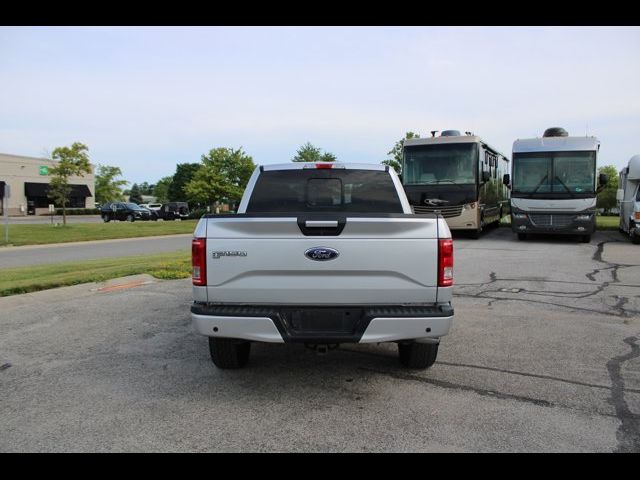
(320, 190)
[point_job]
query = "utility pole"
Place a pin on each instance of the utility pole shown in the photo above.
(5, 207)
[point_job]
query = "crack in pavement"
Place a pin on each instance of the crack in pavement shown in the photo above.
(617, 310)
(536, 279)
(628, 434)
(492, 393)
(456, 386)
(625, 314)
(535, 375)
(489, 393)
(502, 370)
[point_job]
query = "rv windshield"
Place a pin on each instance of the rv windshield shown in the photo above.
(554, 172)
(440, 164)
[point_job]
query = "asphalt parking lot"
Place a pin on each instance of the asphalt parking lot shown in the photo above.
(544, 355)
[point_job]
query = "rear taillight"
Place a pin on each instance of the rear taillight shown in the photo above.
(445, 262)
(199, 261)
(324, 165)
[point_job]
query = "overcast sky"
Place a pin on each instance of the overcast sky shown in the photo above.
(145, 99)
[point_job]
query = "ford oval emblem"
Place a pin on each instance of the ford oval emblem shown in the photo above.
(321, 254)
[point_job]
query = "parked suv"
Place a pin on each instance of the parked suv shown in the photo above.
(124, 211)
(174, 211)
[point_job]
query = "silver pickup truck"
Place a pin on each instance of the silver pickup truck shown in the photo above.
(322, 254)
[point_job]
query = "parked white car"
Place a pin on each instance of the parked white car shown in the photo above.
(151, 206)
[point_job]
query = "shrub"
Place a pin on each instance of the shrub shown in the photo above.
(197, 213)
(76, 211)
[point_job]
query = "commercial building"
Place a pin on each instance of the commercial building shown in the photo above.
(28, 181)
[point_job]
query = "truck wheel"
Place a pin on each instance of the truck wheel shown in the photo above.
(522, 236)
(129, 218)
(229, 352)
(635, 239)
(105, 218)
(417, 355)
(585, 238)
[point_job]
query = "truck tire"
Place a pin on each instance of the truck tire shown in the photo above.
(585, 238)
(522, 236)
(130, 218)
(635, 239)
(105, 218)
(417, 355)
(229, 352)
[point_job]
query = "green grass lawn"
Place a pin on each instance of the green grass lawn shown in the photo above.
(42, 277)
(79, 232)
(607, 223)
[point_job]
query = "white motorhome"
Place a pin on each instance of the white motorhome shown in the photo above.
(554, 185)
(629, 199)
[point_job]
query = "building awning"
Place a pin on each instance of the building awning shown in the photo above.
(80, 191)
(42, 190)
(36, 189)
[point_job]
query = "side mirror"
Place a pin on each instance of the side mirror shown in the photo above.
(506, 179)
(619, 195)
(114, 207)
(603, 179)
(486, 176)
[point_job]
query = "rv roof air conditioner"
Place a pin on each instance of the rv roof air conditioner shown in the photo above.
(555, 132)
(450, 133)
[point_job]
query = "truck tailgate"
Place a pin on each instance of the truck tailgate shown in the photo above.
(390, 259)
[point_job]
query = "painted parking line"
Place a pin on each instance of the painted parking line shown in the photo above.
(124, 286)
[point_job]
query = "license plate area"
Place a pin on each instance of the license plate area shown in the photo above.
(326, 321)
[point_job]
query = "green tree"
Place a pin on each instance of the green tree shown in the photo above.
(328, 157)
(396, 152)
(161, 189)
(607, 196)
(146, 189)
(69, 162)
(184, 174)
(223, 176)
(135, 196)
(310, 153)
(107, 187)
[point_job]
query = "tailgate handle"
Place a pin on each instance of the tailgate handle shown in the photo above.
(321, 224)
